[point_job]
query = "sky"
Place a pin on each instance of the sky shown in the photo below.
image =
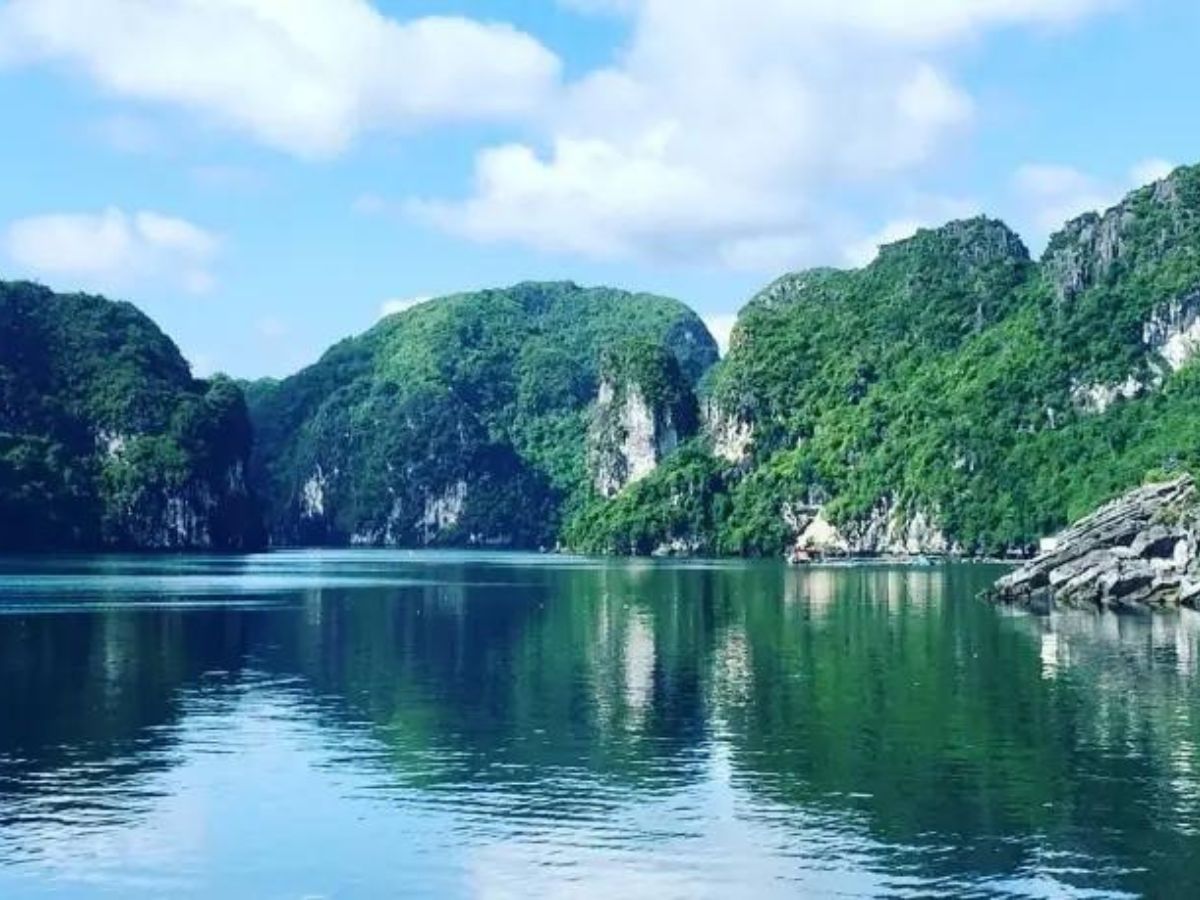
(265, 177)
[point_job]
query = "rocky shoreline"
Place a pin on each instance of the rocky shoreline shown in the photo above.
(1136, 552)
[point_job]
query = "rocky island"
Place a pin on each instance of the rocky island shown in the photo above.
(107, 442)
(955, 397)
(1139, 551)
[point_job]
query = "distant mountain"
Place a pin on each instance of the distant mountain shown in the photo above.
(953, 396)
(464, 420)
(106, 440)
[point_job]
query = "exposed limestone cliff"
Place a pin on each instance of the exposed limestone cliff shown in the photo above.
(627, 439)
(887, 531)
(644, 410)
(444, 511)
(1091, 248)
(1097, 398)
(462, 421)
(1171, 335)
(1139, 551)
(1086, 252)
(731, 435)
(1173, 331)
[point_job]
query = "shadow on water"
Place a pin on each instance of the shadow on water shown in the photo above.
(867, 730)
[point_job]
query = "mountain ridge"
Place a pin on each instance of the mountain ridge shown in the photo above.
(954, 396)
(106, 440)
(425, 428)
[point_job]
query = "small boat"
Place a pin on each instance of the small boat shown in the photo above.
(922, 560)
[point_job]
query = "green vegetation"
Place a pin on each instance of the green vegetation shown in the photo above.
(462, 420)
(658, 378)
(680, 506)
(951, 377)
(954, 380)
(106, 440)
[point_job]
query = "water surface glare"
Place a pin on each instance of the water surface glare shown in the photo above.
(361, 724)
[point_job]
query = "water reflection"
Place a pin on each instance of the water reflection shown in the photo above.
(462, 725)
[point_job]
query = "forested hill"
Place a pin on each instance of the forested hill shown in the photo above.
(953, 396)
(106, 440)
(464, 420)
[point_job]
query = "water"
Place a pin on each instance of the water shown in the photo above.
(450, 725)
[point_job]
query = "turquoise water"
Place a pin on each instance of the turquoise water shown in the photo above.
(491, 726)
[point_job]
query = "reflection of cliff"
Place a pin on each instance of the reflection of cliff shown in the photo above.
(1134, 680)
(827, 695)
(97, 698)
(897, 688)
(562, 667)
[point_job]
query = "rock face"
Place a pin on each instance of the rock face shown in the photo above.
(1098, 398)
(628, 439)
(204, 514)
(886, 532)
(463, 421)
(644, 410)
(731, 437)
(1138, 551)
(1092, 247)
(1173, 331)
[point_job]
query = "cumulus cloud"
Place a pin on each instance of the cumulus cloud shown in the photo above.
(114, 250)
(305, 76)
(731, 133)
(1050, 195)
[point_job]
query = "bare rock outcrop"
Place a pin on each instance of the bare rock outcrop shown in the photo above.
(644, 410)
(888, 531)
(1137, 552)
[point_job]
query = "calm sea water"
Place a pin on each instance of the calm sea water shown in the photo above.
(492, 726)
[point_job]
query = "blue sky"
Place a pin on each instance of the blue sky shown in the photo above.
(263, 176)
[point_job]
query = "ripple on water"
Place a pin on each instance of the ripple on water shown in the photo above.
(467, 725)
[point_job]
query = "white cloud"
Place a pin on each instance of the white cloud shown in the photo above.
(730, 134)
(1050, 195)
(391, 307)
(860, 253)
(720, 326)
(1151, 170)
(306, 76)
(114, 250)
(1055, 194)
(924, 20)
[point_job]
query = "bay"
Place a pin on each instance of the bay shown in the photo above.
(474, 725)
